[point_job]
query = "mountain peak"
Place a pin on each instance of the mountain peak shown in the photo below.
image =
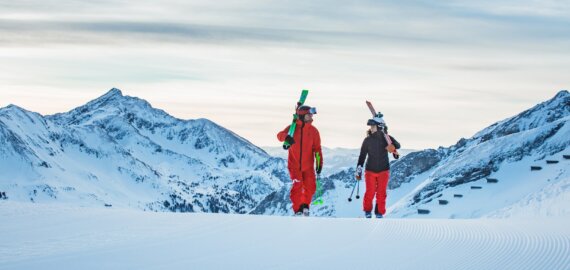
(113, 97)
(110, 99)
(113, 103)
(541, 114)
(13, 107)
(561, 98)
(562, 94)
(113, 93)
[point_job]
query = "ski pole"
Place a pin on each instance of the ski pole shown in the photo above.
(358, 190)
(350, 198)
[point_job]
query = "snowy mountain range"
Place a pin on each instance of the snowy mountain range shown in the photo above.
(499, 166)
(120, 151)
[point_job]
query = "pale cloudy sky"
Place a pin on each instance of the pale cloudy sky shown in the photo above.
(439, 70)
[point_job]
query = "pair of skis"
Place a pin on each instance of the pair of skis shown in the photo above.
(383, 128)
(286, 145)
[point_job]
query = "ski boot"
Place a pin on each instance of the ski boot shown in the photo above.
(304, 209)
(377, 213)
(368, 214)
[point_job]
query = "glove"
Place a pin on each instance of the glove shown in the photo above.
(319, 169)
(391, 148)
(289, 140)
(358, 175)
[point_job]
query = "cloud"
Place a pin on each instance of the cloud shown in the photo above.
(37, 32)
(414, 57)
(359, 23)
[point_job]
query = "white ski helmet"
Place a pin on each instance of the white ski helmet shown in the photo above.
(376, 121)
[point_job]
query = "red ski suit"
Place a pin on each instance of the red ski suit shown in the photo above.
(301, 162)
(376, 185)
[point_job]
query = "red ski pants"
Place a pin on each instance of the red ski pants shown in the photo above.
(376, 184)
(304, 186)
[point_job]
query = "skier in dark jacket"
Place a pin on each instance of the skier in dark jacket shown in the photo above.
(305, 145)
(377, 174)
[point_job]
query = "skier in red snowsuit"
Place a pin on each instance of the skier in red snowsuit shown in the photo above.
(377, 173)
(305, 144)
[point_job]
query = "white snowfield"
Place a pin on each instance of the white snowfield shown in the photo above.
(55, 236)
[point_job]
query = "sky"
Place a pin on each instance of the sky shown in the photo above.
(438, 70)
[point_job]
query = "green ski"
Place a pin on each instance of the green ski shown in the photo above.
(319, 192)
(291, 132)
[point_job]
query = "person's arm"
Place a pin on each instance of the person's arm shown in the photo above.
(394, 142)
(363, 153)
(361, 159)
(283, 134)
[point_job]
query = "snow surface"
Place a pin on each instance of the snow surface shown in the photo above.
(44, 236)
(520, 192)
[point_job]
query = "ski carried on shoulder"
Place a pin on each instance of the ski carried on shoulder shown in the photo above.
(384, 131)
(291, 132)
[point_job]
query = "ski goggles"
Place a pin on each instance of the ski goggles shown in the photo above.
(372, 122)
(307, 110)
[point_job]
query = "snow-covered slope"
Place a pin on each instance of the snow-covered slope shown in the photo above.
(62, 237)
(118, 150)
(503, 153)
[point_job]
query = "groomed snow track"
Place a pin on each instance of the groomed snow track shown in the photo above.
(60, 237)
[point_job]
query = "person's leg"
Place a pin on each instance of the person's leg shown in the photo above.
(296, 190)
(309, 186)
(383, 178)
(370, 180)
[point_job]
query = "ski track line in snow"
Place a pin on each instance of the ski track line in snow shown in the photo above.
(228, 224)
(512, 240)
(531, 251)
(439, 238)
(458, 240)
(516, 248)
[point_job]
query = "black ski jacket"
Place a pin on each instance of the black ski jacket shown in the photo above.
(374, 146)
